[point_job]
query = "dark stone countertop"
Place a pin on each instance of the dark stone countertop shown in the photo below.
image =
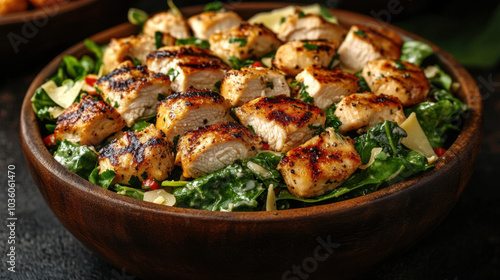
(465, 246)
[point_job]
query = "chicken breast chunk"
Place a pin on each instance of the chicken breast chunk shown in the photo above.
(182, 112)
(188, 66)
(309, 27)
(240, 86)
(401, 79)
(283, 122)
(132, 48)
(210, 148)
(320, 165)
(364, 44)
(364, 110)
(327, 86)
(243, 42)
(12, 6)
(208, 23)
(294, 56)
(169, 23)
(133, 91)
(88, 122)
(144, 154)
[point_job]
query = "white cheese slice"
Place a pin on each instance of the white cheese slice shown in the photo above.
(63, 96)
(416, 139)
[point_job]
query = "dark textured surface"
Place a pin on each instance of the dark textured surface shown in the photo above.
(465, 246)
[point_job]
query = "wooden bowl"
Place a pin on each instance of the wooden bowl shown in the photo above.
(339, 240)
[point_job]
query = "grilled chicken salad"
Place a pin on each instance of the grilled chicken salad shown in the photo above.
(288, 109)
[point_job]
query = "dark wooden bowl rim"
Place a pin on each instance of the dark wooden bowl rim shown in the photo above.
(30, 133)
(38, 13)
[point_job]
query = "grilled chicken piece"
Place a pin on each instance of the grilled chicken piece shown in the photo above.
(144, 154)
(364, 110)
(210, 148)
(182, 112)
(240, 86)
(294, 56)
(309, 27)
(88, 122)
(208, 23)
(132, 48)
(401, 79)
(244, 41)
(169, 23)
(327, 86)
(133, 91)
(319, 165)
(188, 66)
(283, 122)
(364, 44)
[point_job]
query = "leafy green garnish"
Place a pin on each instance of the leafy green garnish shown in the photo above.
(104, 179)
(193, 41)
(440, 117)
(362, 84)
(238, 64)
(251, 129)
(325, 13)
(158, 39)
(78, 159)
(270, 85)
(241, 41)
(386, 135)
(310, 47)
(235, 187)
(213, 6)
(172, 74)
(98, 51)
(137, 17)
(217, 86)
(301, 14)
(331, 119)
(360, 33)
(128, 191)
(42, 105)
(304, 95)
(441, 79)
(400, 66)
(139, 126)
(415, 52)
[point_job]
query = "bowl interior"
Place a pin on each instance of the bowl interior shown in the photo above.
(467, 140)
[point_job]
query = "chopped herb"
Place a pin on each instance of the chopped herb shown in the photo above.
(294, 84)
(172, 74)
(108, 101)
(251, 129)
(175, 141)
(310, 47)
(50, 127)
(318, 129)
(217, 86)
(193, 41)
(98, 90)
(137, 62)
(415, 52)
(137, 17)
(335, 61)
(144, 175)
(140, 126)
(304, 95)
(282, 20)
(270, 85)
(398, 65)
(134, 182)
(213, 6)
(362, 84)
(116, 105)
(325, 13)
(379, 76)
(160, 97)
(236, 63)
(301, 14)
(158, 39)
(360, 33)
(242, 41)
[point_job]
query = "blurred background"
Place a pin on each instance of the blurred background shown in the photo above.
(465, 246)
